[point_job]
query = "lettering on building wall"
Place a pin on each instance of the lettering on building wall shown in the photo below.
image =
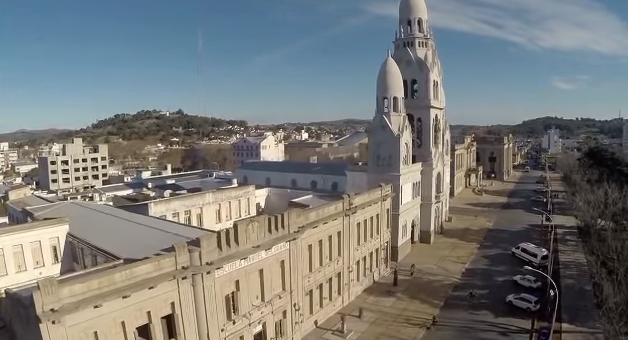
(229, 196)
(229, 267)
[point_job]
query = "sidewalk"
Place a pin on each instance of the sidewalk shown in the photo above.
(401, 313)
(579, 315)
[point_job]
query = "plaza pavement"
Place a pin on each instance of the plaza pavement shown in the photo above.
(402, 312)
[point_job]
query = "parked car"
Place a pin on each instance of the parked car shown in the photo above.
(524, 301)
(540, 181)
(540, 189)
(539, 199)
(526, 169)
(527, 281)
(531, 253)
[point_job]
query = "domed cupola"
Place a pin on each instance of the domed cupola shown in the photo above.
(389, 87)
(413, 17)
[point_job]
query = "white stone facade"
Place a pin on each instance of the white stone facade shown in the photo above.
(409, 137)
(264, 148)
(31, 252)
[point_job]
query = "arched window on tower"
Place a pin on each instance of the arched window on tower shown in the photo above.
(405, 88)
(409, 26)
(396, 105)
(419, 25)
(415, 89)
(434, 89)
(437, 93)
(385, 105)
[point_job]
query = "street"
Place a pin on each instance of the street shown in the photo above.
(490, 273)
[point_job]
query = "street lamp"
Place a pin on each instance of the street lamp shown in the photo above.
(555, 290)
(550, 266)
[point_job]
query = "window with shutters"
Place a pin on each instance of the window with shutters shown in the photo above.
(377, 224)
(229, 211)
(199, 217)
(3, 263)
(371, 227)
(187, 217)
(282, 268)
(232, 307)
(330, 247)
(18, 258)
(358, 229)
(218, 213)
(38, 256)
(238, 212)
(339, 284)
(330, 288)
(310, 301)
(365, 230)
(310, 265)
(339, 239)
(320, 253)
(55, 250)
(280, 326)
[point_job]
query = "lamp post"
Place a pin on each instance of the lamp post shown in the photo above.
(555, 290)
(550, 265)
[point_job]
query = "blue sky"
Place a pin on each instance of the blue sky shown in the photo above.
(68, 63)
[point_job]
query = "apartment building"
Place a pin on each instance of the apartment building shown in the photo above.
(266, 277)
(263, 148)
(75, 167)
(31, 251)
(8, 157)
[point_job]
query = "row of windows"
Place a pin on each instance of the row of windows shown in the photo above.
(94, 168)
(325, 296)
(321, 258)
(68, 180)
(77, 161)
(413, 26)
(361, 268)
(230, 207)
(370, 226)
(233, 303)
(37, 256)
(84, 257)
(411, 44)
(246, 154)
(250, 147)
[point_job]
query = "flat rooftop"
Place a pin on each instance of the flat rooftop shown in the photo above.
(294, 167)
(27, 201)
(124, 234)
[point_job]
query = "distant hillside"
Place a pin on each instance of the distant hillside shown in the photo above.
(24, 135)
(342, 122)
(612, 128)
(144, 125)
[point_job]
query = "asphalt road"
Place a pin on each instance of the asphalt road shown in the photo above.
(490, 273)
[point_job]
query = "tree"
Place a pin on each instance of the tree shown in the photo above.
(597, 188)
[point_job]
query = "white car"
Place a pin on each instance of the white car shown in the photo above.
(540, 189)
(539, 199)
(524, 301)
(527, 281)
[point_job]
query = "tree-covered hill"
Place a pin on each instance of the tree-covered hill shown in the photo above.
(143, 125)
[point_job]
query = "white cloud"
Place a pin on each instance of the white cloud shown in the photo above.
(561, 25)
(292, 48)
(569, 83)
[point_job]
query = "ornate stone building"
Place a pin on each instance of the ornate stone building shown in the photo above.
(266, 277)
(465, 172)
(495, 156)
(409, 136)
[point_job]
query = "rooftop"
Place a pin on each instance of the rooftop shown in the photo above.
(17, 228)
(124, 234)
(294, 167)
(353, 138)
(27, 202)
